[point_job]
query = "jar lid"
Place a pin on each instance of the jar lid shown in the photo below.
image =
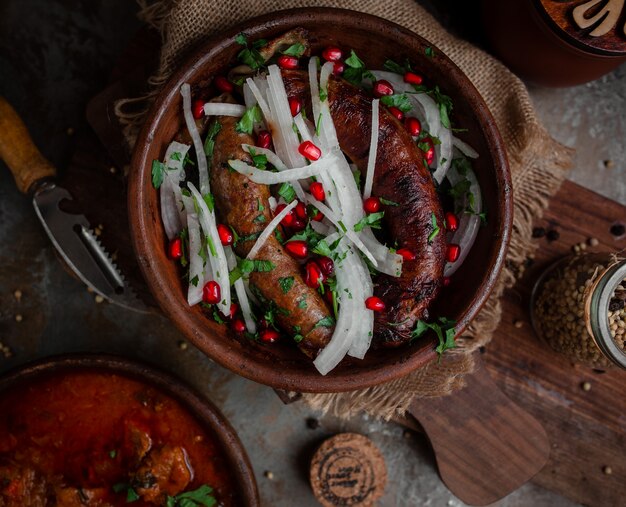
(596, 26)
(599, 322)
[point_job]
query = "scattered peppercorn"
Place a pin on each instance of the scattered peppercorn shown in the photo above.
(618, 229)
(593, 242)
(607, 470)
(552, 235)
(539, 232)
(312, 423)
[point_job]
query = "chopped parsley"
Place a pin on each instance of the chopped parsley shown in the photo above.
(209, 142)
(158, 169)
(443, 328)
(201, 497)
(387, 202)
(324, 322)
(194, 281)
(302, 304)
(131, 494)
(318, 125)
(260, 206)
(296, 50)
(286, 283)
(217, 317)
(209, 201)
(112, 454)
(246, 124)
(287, 192)
(355, 70)
(176, 156)
(259, 160)
(323, 95)
(433, 234)
(429, 52)
(399, 100)
(372, 220)
(392, 66)
(260, 219)
(247, 266)
(250, 55)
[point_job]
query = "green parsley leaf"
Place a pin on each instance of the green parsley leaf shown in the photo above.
(444, 329)
(209, 201)
(287, 192)
(211, 245)
(318, 125)
(209, 142)
(251, 57)
(194, 281)
(218, 318)
(258, 160)
(325, 322)
(323, 249)
(112, 454)
(461, 164)
(399, 100)
(392, 66)
(157, 173)
(241, 39)
(302, 304)
(433, 234)
(354, 61)
(372, 220)
(296, 50)
(429, 52)
(260, 219)
(176, 156)
(460, 189)
(387, 202)
(286, 283)
(323, 95)
(201, 497)
(246, 124)
(357, 178)
(298, 338)
(260, 206)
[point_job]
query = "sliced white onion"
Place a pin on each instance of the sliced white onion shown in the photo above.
(469, 224)
(218, 262)
(389, 262)
(464, 148)
(174, 158)
(224, 109)
(170, 214)
(371, 159)
(269, 230)
(196, 264)
(363, 339)
(240, 290)
(320, 228)
(259, 97)
(203, 171)
(288, 175)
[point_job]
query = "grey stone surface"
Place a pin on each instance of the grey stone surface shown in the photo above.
(54, 55)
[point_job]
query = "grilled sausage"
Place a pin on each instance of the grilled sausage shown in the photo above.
(244, 206)
(400, 176)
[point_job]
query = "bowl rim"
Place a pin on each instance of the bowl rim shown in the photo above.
(140, 219)
(203, 410)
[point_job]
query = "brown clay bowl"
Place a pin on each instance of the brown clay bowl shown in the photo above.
(203, 410)
(282, 366)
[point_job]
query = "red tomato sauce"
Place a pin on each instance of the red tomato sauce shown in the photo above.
(69, 438)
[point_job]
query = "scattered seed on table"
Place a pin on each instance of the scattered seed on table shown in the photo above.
(269, 475)
(593, 241)
(607, 470)
(98, 299)
(183, 345)
(19, 317)
(17, 294)
(586, 386)
(609, 164)
(539, 232)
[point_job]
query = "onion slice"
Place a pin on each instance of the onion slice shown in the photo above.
(240, 290)
(288, 175)
(371, 160)
(203, 171)
(269, 230)
(224, 109)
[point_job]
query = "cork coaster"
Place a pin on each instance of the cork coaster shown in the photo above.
(348, 469)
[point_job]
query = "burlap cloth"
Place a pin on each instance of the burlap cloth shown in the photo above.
(538, 163)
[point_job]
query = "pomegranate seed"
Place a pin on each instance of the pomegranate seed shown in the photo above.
(234, 308)
(371, 205)
(288, 220)
(406, 254)
(287, 62)
(413, 78)
(294, 106)
(211, 292)
(375, 304)
(382, 87)
(317, 190)
(175, 250)
(313, 275)
(309, 151)
(238, 326)
(327, 265)
(452, 222)
(298, 249)
(198, 109)
(332, 54)
(226, 234)
(413, 125)
(452, 252)
(338, 68)
(315, 214)
(269, 335)
(223, 84)
(264, 139)
(298, 225)
(446, 281)
(300, 211)
(396, 113)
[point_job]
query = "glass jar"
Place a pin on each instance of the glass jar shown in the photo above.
(577, 307)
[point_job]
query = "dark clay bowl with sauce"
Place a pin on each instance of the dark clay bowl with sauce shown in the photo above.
(105, 429)
(280, 365)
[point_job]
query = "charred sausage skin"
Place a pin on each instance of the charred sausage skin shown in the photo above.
(400, 176)
(240, 203)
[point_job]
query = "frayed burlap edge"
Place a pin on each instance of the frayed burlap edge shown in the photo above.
(538, 165)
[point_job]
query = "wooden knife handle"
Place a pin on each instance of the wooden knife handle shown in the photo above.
(19, 152)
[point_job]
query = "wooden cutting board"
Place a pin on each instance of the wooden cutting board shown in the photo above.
(480, 433)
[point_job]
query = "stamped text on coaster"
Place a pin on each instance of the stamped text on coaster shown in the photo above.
(348, 469)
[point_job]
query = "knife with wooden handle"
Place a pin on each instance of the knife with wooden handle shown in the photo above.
(70, 234)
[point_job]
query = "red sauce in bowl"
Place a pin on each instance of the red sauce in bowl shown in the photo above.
(101, 438)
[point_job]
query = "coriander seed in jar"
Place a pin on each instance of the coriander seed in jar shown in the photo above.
(578, 307)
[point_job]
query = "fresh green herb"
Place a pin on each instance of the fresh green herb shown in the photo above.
(323, 249)
(399, 100)
(372, 220)
(112, 454)
(369, 75)
(392, 66)
(259, 206)
(354, 61)
(243, 239)
(325, 322)
(246, 124)
(194, 281)
(183, 235)
(357, 178)
(211, 245)
(461, 164)
(157, 173)
(429, 52)
(323, 94)
(287, 192)
(241, 39)
(247, 266)
(250, 56)
(259, 160)
(445, 105)
(387, 202)
(131, 494)
(343, 227)
(203, 496)
(298, 338)
(318, 125)
(209, 142)
(460, 189)
(433, 234)
(176, 156)
(209, 201)
(309, 235)
(260, 219)
(286, 283)
(296, 50)
(302, 304)
(217, 317)
(443, 328)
